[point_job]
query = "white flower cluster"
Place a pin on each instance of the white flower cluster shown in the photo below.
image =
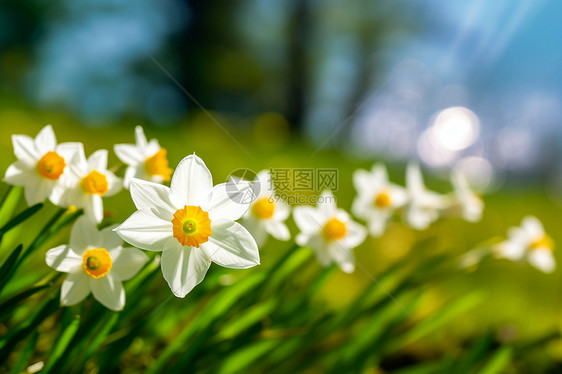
(193, 222)
(378, 199)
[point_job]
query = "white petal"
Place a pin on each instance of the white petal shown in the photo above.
(63, 258)
(144, 229)
(418, 218)
(45, 141)
(511, 249)
(130, 173)
(278, 230)
(232, 247)
(140, 138)
(343, 257)
(399, 196)
(326, 203)
(152, 195)
(84, 235)
(109, 238)
(414, 180)
(57, 196)
(308, 219)
(114, 184)
(282, 210)
(192, 182)
(37, 189)
(355, 235)
(377, 223)
(380, 175)
(263, 178)
(109, 291)
(362, 181)
(230, 200)
(184, 268)
(127, 262)
(74, 288)
(362, 204)
(256, 228)
(24, 149)
(542, 259)
(94, 208)
(70, 150)
(129, 154)
(533, 227)
(18, 173)
(98, 160)
(152, 148)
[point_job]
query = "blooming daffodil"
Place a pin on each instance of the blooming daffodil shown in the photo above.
(192, 223)
(90, 181)
(465, 199)
(423, 206)
(529, 240)
(145, 159)
(377, 199)
(42, 166)
(95, 262)
(266, 214)
(329, 232)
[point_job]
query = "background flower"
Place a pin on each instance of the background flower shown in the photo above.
(95, 262)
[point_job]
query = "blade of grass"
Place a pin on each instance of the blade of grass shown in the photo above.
(61, 343)
(25, 354)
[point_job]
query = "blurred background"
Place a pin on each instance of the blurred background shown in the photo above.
(470, 85)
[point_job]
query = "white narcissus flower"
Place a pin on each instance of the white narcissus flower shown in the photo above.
(192, 223)
(468, 201)
(529, 240)
(329, 231)
(423, 205)
(95, 261)
(145, 159)
(90, 181)
(42, 166)
(266, 214)
(377, 199)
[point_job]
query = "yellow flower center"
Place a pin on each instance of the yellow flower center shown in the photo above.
(191, 226)
(334, 229)
(97, 262)
(51, 165)
(544, 242)
(263, 208)
(95, 183)
(158, 165)
(382, 200)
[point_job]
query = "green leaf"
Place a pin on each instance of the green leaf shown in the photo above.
(499, 361)
(250, 317)
(10, 203)
(10, 340)
(13, 301)
(214, 309)
(9, 267)
(61, 344)
(25, 354)
(426, 327)
(241, 360)
(21, 217)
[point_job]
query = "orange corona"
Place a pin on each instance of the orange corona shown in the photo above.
(334, 229)
(51, 165)
(191, 226)
(158, 165)
(97, 262)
